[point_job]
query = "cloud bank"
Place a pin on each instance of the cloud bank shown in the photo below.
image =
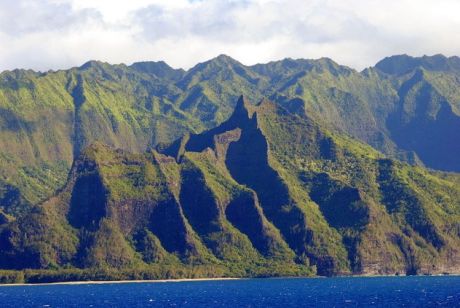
(55, 34)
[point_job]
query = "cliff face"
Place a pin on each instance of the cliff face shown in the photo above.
(407, 108)
(268, 188)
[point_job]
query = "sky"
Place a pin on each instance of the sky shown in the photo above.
(59, 34)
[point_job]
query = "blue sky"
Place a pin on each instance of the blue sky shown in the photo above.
(55, 34)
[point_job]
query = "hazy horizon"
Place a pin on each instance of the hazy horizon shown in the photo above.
(249, 65)
(57, 34)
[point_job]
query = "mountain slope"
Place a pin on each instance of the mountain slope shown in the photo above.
(408, 108)
(266, 192)
(48, 119)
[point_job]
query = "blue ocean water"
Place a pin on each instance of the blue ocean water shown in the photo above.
(314, 292)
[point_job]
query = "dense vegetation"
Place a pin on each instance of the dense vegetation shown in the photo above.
(145, 171)
(407, 108)
(268, 192)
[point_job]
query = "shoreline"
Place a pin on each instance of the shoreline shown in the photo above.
(78, 282)
(92, 282)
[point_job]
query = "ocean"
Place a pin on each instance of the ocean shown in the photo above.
(413, 291)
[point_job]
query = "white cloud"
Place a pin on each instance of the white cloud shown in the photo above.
(21, 17)
(51, 34)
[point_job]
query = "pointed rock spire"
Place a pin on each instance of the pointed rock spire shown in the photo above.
(241, 108)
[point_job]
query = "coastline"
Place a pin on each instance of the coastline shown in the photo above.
(120, 281)
(95, 282)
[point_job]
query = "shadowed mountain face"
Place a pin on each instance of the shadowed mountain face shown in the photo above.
(403, 64)
(267, 192)
(408, 108)
(425, 122)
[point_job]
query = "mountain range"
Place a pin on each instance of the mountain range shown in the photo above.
(332, 172)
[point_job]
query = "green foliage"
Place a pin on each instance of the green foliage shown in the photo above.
(47, 119)
(11, 277)
(280, 188)
(109, 248)
(38, 240)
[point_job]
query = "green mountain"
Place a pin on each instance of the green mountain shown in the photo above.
(267, 192)
(408, 108)
(156, 170)
(426, 118)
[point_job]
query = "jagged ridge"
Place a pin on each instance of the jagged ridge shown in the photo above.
(406, 107)
(268, 189)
